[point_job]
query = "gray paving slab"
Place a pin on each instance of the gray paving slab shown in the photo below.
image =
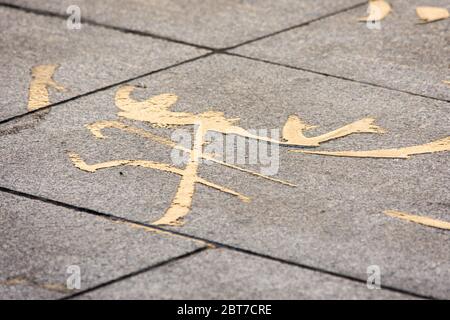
(87, 59)
(333, 220)
(41, 241)
(225, 274)
(218, 24)
(403, 54)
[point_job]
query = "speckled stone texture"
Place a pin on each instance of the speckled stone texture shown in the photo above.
(224, 274)
(216, 24)
(403, 54)
(333, 220)
(88, 59)
(41, 241)
(313, 241)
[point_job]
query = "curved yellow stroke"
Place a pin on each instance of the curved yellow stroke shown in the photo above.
(402, 153)
(294, 128)
(125, 102)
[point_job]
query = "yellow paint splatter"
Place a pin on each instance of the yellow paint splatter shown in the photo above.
(377, 10)
(403, 153)
(430, 14)
(42, 79)
(426, 221)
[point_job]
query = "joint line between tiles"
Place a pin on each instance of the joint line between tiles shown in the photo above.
(94, 23)
(210, 243)
(135, 273)
(212, 52)
(333, 76)
(328, 15)
(89, 93)
(169, 39)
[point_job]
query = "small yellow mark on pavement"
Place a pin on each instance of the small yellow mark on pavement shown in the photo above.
(426, 221)
(42, 80)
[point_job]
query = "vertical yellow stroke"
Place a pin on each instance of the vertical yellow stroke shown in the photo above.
(182, 201)
(42, 79)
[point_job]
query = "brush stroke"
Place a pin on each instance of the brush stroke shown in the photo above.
(426, 221)
(42, 79)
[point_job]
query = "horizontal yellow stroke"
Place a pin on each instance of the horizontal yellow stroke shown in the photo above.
(80, 164)
(97, 127)
(426, 221)
(402, 153)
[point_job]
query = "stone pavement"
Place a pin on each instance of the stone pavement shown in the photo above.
(260, 61)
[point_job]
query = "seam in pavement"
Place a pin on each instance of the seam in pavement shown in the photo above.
(134, 273)
(328, 15)
(170, 39)
(211, 243)
(19, 116)
(212, 52)
(104, 25)
(22, 115)
(334, 76)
